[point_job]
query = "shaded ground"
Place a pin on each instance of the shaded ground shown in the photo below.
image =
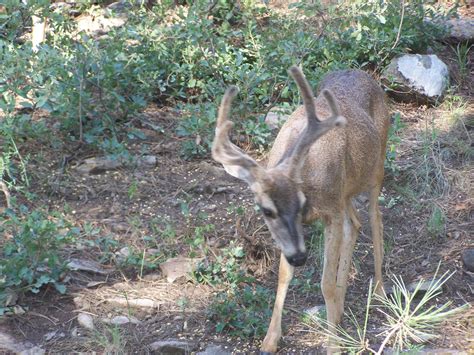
(105, 202)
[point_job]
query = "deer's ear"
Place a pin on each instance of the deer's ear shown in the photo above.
(239, 172)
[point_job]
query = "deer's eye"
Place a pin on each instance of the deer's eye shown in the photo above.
(268, 213)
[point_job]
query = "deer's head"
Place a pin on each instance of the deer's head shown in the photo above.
(277, 190)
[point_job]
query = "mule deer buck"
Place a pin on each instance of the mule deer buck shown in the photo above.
(313, 172)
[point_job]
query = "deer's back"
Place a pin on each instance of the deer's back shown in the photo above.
(341, 163)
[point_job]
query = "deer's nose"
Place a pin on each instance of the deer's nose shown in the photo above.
(297, 259)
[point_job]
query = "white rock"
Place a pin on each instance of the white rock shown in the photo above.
(85, 321)
(417, 77)
(426, 72)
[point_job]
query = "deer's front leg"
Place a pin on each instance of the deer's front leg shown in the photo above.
(332, 245)
(285, 274)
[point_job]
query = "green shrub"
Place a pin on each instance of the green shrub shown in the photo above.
(245, 313)
(225, 268)
(31, 255)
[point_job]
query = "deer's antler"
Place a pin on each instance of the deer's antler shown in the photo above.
(235, 161)
(315, 128)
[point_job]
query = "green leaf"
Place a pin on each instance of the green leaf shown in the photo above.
(382, 19)
(41, 101)
(60, 288)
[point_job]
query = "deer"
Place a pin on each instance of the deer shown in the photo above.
(331, 149)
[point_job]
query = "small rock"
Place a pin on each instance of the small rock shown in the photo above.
(316, 311)
(97, 165)
(125, 251)
(276, 117)
(416, 77)
(121, 320)
(148, 160)
(177, 267)
(214, 350)
(173, 347)
(87, 265)
(85, 321)
(467, 258)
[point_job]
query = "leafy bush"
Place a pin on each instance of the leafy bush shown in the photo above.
(92, 87)
(31, 256)
(244, 313)
(225, 269)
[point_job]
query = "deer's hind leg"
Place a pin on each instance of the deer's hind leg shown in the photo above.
(376, 226)
(350, 229)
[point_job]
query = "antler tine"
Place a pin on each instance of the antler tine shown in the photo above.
(224, 108)
(335, 112)
(315, 128)
(223, 150)
(305, 91)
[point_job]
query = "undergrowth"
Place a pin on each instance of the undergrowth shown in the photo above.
(32, 252)
(91, 87)
(409, 320)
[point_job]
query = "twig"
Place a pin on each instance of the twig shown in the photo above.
(6, 193)
(397, 39)
(387, 338)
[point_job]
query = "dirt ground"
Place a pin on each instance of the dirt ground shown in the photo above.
(125, 205)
